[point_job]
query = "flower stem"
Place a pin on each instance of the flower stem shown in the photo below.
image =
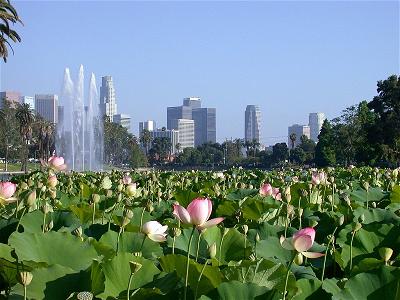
(326, 252)
(129, 286)
(25, 292)
(220, 250)
(198, 280)
(19, 221)
(141, 219)
(94, 212)
(287, 277)
(198, 246)
(44, 222)
(351, 249)
(119, 235)
(141, 247)
(187, 264)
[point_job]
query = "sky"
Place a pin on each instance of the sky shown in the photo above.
(290, 58)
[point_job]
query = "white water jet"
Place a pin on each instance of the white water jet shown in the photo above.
(80, 128)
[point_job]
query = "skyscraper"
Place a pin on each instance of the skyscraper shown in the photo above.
(204, 125)
(46, 106)
(252, 123)
(315, 121)
(204, 119)
(123, 120)
(28, 100)
(172, 135)
(108, 103)
(185, 128)
(149, 125)
(299, 131)
(13, 97)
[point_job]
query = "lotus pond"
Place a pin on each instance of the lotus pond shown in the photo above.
(238, 234)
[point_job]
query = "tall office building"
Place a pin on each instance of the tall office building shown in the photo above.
(13, 97)
(172, 135)
(315, 121)
(185, 128)
(149, 125)
(28, 100)
(252, 123)
(46, 105)
(108, 103)
(299, 131)
(204, 119)
(123, 120)
(204, 125)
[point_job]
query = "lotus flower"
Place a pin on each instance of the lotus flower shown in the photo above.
(197, 213)
(7, 190)
(155, 231)
(267, 190)
(52, 181)
(126, 179)
(57, 163)
(318, 178)
(131, 189)
(301, 241)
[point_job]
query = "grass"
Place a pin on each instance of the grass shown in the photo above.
(16, 167)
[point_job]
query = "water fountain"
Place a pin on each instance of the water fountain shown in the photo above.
(80, 127)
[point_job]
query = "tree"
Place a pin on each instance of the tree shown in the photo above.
(8, 17)
(160, 149)
(25, 119)
(325, 149)
(292, 138)
(145, 139)
(280, 153)
(9, 137)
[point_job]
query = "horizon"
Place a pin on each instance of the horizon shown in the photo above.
(289, 58)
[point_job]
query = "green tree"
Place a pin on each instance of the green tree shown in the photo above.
(25, 119)
(145, 139)
(8, 17)
(160, 149)
(325, 149)
(10, 142)
(280, 153)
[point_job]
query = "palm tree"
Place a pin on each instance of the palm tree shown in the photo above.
(25, 117)
(178, 147)
(255, 145)
(8, 16)
(292, 138)
(145, 139)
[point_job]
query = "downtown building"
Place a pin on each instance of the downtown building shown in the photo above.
(186, 133)
(108, 103)
(315, 121)
(299, 131)
(252, 123)
(204, 119)
(148, 125)
(13, 97)
(172, 135)
(46, 106)
(123, 120)
(28, 100)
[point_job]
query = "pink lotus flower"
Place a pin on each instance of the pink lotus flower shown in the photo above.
(155, 231)
(7, 190)
(267, 190)
(318, 178)
(126, 179)
(52, 181)
(198, 212)
(57, 163)
(301, 241)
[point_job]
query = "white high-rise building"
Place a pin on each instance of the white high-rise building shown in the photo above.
(172, 135)
(123, 120)
(315, 121)
(185, 128)
(252, 123)
(108, 103)
(298, 130)
(149, 125)
(29, 100)
(46, 106)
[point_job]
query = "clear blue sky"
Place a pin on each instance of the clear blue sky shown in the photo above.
(291, 58)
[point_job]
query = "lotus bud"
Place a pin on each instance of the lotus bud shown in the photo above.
(395, 173)
(373, 204)
(52, 181)
(77, 231)
(298, 260)
(138, 254)
(96, 198)
(40, 185)
(347, 199)
(290, 210)
(257, 237)
(49, 226)
(310, 186)
(313, 223)
(341, 220)
(125, 221)
(128, 213)
(25, 278)
(301, 210)
(357, 226)
(149, 206)
(213, 250)
(252, 257)
(46, 208)
(106, 183)
(366, 185)
(385, 253)
(176, 231)
(43, 189)
(135, 266)
(346, 187)
(131, 189)
(84, 296)
(361, 218)
(30, 182)
(332, 179)
(245, 229)
(159, 193)
(31, 200)
(109, 193)
(53, 194)
(23, 186)
(119, 198)
(120, 187)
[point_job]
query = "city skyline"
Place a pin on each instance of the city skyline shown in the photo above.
(291, 58)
